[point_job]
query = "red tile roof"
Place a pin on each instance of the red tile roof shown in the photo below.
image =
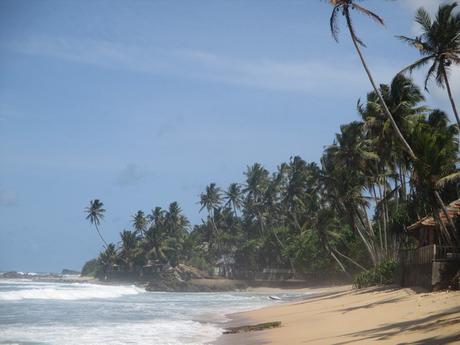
(453, 209)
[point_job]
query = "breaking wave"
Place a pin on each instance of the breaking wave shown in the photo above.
(74, 291)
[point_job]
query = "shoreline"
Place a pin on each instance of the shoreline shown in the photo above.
(244, 318)
(341, 315)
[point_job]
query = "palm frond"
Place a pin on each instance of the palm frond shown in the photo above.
(422, 17)
(441, 183)
(333, 23)
(368, 13)
(351, 28)
(417, 64)
(415, 42)
(429, 74)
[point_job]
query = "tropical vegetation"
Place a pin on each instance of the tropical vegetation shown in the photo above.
(397, 162)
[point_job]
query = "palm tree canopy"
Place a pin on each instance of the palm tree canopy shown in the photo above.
(343, 7)
(233, 196)
(439, 42)
(211, 199)
(139, 221)
(95, 211)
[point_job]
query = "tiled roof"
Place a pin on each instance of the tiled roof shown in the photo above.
(453, 209)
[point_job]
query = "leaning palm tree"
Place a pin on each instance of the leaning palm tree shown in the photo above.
(95, 213)
(344, 7)
(439, 45)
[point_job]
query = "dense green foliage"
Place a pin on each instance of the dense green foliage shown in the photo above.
(382, 274)
(396, 163)
(89, 268)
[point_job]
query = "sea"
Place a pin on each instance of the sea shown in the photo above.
(58, 313)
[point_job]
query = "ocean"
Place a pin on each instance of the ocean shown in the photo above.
(41, 313)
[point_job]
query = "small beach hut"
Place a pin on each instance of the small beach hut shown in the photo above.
(427, 232)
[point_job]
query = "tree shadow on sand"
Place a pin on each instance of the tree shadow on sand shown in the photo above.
(425, 324)
(371, 305)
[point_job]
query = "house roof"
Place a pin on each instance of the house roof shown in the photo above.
(453, 209)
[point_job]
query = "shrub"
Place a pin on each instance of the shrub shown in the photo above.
(381, 274)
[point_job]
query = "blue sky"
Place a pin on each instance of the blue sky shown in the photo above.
(140, 103)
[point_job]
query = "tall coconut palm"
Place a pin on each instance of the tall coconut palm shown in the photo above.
(176, 222)
(439, 45)
(344, 7)
(211, 200)
(345, 166)
(95, 213)
(436, 143)
(233, 197)
(107, 258)
(403, 98)
(128, 246)
(139, 222)
(257, 182)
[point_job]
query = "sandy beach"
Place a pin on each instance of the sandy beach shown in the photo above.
(341, 315)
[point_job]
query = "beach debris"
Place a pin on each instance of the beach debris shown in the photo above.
(252, 328)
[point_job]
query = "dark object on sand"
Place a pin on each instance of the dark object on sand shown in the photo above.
(252, 328)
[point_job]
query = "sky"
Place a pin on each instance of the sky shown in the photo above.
(141, 103)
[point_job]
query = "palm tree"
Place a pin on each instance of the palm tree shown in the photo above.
(95, 213)
(403, 98)
(107, 258)
(233, 197)
(139, 222)
(177, 226)
(211, 199)
(436, 143)
(129, 242)
(177, 223)
(345, 166)
(344, 7)
(439, 44)
(257, 182)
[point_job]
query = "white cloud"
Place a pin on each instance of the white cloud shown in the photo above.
(264, 73)
(310, 76)
(7, 198)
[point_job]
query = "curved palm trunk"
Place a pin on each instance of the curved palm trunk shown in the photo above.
(377, 91)
(102, 238)
(446, 214)
(342, 267)
(349, 259)
(449, 92)
(291, 263)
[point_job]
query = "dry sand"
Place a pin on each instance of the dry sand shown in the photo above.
(341, 315)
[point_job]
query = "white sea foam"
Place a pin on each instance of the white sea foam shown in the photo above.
(158, 332)
(74, 291)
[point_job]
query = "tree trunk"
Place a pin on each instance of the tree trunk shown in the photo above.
(454, 108)
(446, 214)
(377, 91)
(349, 259)
(281, 244)
(102, 238)
(340, 264)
